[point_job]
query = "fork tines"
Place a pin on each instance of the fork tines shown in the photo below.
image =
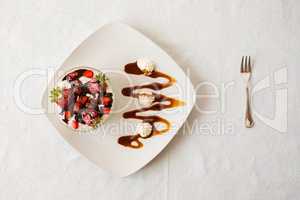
(246, 64)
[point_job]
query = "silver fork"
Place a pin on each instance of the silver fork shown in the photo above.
(246, 74)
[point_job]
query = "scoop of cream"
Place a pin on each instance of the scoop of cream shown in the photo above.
(146, 65)
(144, 129)
(145, 98)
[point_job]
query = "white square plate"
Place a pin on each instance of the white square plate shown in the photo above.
(108, 50)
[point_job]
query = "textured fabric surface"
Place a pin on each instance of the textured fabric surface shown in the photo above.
(214, 157)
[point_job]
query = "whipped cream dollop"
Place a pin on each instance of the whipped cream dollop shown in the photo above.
(145, 98)
(146, 65)
(144, 129)
(84, 79)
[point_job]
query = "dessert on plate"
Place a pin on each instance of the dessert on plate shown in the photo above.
(83, 98)
(149, 99)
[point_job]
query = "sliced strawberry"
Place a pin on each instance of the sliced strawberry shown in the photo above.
(77, 90)
(77, 106)
(68, 115)
(88, 73)
(83, 100)
(75, 124)
(66, 92)
(106, 100)
(93, 86)
(72, 76)
(106, 110)
(93, 113)
(63, 103)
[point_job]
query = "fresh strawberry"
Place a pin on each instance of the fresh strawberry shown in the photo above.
(77, 106)
(93, 86)
(72, 76)
(88, 73)
(77, 90)
(106, 100)
(93, 113)
(106, 110)
(86, 118)
(75, 124)
(63, 103)
(83, 100)
(66, 92)
(68, 115)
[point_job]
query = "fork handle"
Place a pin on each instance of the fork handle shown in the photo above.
(249, 123)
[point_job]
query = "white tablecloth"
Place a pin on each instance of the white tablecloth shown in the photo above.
(215, 157)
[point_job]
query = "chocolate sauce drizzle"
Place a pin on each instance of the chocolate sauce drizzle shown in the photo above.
(160, 102)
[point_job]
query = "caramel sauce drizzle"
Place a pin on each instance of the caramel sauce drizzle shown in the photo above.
(160, 102)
